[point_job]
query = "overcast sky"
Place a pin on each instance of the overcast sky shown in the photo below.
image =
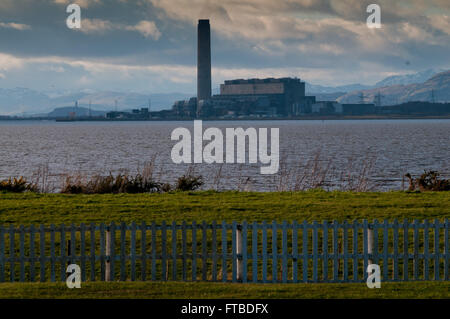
(150, 45)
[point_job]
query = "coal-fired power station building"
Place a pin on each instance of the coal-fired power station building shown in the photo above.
(241, 98)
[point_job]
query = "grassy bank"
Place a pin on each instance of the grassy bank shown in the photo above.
(177, 290)
(313, 205)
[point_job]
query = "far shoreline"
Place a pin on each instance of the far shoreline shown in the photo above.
(300, 118)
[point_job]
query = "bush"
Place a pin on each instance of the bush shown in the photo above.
(189, 183)
(428, 181)
(15, 185)
(112, 185)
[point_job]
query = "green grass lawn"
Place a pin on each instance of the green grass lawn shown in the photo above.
(199, 290)
(228, 206)
(26, 209)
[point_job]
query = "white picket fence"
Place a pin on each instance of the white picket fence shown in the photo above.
(246, 252)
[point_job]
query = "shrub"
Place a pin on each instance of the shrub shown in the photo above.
(111, 185)
(15, 185)
(189, 183)
(428, 181)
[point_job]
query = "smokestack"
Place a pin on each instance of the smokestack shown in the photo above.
(204, 60)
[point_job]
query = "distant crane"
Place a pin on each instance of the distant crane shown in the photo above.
(115, 105)
(90, 110)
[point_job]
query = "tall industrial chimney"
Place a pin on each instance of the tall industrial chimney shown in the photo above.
(204, 60)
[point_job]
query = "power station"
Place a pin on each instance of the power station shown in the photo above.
(271, 97)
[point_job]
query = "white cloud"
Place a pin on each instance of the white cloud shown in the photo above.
(147, 28)
(92, 26)
(16, 26)
(8, 62)
(95, 26)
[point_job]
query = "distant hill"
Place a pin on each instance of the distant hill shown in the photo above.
(405, 79)
(316, 89)
(23, 101)
(437, 86)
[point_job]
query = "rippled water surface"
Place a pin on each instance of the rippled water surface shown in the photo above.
(380, 150)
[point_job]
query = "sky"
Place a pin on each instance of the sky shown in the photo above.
(149, 46)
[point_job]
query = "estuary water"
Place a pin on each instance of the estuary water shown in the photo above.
(333, 154)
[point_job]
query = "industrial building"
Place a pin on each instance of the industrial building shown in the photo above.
(258, 97)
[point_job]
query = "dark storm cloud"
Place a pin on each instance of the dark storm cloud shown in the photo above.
(319, 40)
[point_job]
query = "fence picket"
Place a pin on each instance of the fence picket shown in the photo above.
(416, 250)
(345, 243)
(102, 252)
(194, 251)
(355, 251)
(22, 253)
(305, 251)
(174, 251)
(143, 251)
(405, 249)
(153, 251)
(436, 249)
(2, 255)
(395, 242)
(385, 249)
(446, 251)
(11, 253)
(244, 252)
(335, 251)
(224, 252)
(42, 254)
(92, 250)
(184, 250)
(133, 252)
(315, 252)
(233, 252)
(365, 247)
(274, 251)
(204, 251)
(164, 250)
(123, 229)
(284, 252)
(214, 250)
(375, 242)
(426, 248)
(83, 252)
(112, 253)
(264, 252)
(32, 254)
(294, 251)
(254, 253)
(325, 250)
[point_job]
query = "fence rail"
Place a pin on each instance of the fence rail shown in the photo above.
(248, 252)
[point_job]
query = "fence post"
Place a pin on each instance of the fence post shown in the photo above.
(239, 268)
(108, 255)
